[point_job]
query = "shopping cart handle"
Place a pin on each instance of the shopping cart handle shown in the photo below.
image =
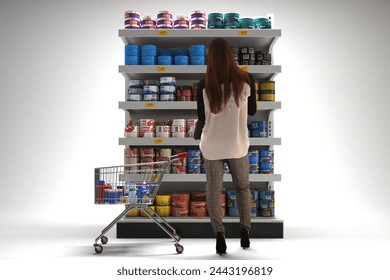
(182, 155)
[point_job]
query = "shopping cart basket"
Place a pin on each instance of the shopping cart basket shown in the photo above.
(136, 186)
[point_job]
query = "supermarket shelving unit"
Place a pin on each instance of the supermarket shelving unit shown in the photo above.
(193, 227)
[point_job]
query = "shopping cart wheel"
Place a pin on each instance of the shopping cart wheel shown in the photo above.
(104, 240)
(176, 236)
(179, 248)
(98, 249)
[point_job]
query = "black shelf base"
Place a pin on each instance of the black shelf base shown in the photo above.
(196, 230)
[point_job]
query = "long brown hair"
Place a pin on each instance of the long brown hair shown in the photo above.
(221, 68)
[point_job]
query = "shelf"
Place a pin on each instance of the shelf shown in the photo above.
(188, 178)
(263, 39)
(200, 220)
(188, 141)
(185, 105)
(191, 72)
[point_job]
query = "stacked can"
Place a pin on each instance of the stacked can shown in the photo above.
(164, 20)
(198, 206)
(267, 204)
(147, 155)
(254, 203)
(266, 161)
(267, 91)
(198, 55)
(231, 21)
(194, 91)
(194, 162)
(147, 128)
(184, 93)
(151, 90)
(167, 88)
(247, 23)
(112, 196)
(178, 128)
(163, 129)
(131, 129)
(190, 127)
(163, 205)
(148, 55)
(215, 21)
(149, 211)
(182, 56)
(101, 191)
(198, 20)
(180, 204)
(131, 156)
(236, 54)
(263, 58)
(257, 90)
(253, 158)
(232, 203)
(247, 56)
(259, 129)
(165, 56)
(179, 166)
(132, 54)
(148, 22)
(163, 154)
(135, 90)
(132, 19)
(262, 23)
(181, 22)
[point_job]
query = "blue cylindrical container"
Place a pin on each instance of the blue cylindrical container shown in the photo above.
(148, 50)
(164, 60)
(267, 195)
(132, 60)
(132, 50)
(182, 52)
(148, 60)
(182, 60)
(253, 159)
(231, 194)
(233, 212)
(198, 60)
(198, 50)
(194, 153)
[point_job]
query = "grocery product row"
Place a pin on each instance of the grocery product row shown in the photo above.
(196, 20)
(152, 55)
(251, 56)
(183, 128)
(166, 89)
(260, 161)
(194, 204)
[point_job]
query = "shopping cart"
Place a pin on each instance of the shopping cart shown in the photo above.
(136, 186)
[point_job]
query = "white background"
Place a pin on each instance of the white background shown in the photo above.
(59, 116)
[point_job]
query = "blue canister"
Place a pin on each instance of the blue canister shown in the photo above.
(136, 83)
(258, 126)
(165, 51)
(266, 153)
(198, 50)
(198, 60)
(194, 153)
(164, 60)
(148, 60)
(151, 97)
(253, 153)
(182, 60)
(232, 203)
(233, 212)
(132, 60)
(267, 195)
(255, 195)
(259, 134)
(266, 166)
(167, 89)
(253, 159)
(151, 89)
(231, 194)
(148, 50)
(182, 52)
(168, 81)
(132, 50)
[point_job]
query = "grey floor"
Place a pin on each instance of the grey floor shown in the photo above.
(302, 252)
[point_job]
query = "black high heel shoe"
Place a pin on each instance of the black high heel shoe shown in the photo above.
(244, 238)
(221, 244)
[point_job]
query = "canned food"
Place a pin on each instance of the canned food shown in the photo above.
(180, 197)
(144, 122)
(148, 26)
(181, 26)
(165, 14)
(198, 212)
(163, 131)
(198, 196)
(135, 91)
(198, 14)
(134, 97)
(168, 81)
(164, 26)
(198, 50)
(181, 60)
(163, 211)
(179, 212)
(167, 89)
(164, 152)
(150, 212)
(167, 97)
(147, 152)
(150, 89)
(268, 85)
(151, 97)
(132, 13)
(133, 213)
(163, 199)
(132, 26)
(131, 130)
(198, 26)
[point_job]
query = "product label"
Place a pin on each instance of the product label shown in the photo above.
(243, 32)
(245, 68)
(163, 32)
(161, 69)
(149, 105)
(159, 141)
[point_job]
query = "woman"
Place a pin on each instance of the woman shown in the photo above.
(225, 98)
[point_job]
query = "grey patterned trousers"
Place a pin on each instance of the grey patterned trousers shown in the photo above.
(239, 169)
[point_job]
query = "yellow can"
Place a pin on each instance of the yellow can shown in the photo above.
(149, 211)
(267, 97)
(132, 213)
(163, 211)
(268, 85)
(163, 200)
